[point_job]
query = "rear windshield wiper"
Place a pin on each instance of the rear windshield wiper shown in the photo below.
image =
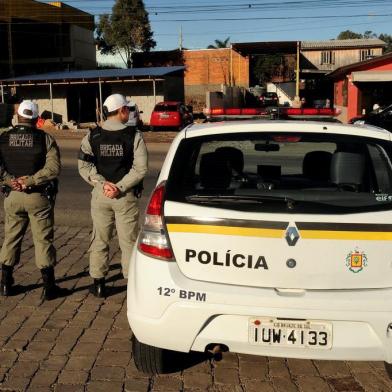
(241, 199)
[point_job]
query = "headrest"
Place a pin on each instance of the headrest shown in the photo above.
(316, 165)
(214, 171)
(232, 155)
(347, 168)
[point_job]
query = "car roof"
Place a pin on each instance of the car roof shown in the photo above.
(205, 129)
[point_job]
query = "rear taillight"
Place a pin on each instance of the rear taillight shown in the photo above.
(153, 239)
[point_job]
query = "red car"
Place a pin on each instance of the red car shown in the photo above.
(170, 115)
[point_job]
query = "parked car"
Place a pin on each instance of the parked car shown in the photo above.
(134, 116)
(269, 99)
(381, 118)
(170, 115)
(266, 238)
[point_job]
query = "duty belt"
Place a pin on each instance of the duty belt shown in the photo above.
(35, 189)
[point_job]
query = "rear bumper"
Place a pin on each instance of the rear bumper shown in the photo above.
(165, 123)
(167, 310)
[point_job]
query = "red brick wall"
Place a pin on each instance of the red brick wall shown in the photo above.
(213, 67)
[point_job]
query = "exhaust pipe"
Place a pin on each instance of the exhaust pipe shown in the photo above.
(216, 349)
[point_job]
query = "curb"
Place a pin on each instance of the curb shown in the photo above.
(149, 137)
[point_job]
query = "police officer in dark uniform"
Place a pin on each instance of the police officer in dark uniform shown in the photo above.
(29, 167)
(113, 159)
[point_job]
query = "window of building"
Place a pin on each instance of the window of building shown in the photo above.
(365, 54)
(327, 57)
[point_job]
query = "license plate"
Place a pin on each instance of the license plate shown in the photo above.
(290, 333)
(164, 115)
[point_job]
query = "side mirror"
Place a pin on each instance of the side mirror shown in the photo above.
(190, 108)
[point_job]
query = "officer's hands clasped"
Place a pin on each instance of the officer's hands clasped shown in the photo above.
(18, 184)
(110, 190)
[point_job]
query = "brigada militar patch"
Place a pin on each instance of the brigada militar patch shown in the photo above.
(356, 261)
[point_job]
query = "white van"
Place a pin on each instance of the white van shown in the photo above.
(267, 238)
(134, 119)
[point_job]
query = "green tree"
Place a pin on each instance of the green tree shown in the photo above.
(268, 66)
(220, 44)
(126, 30)
(369, 34)
(387, 38)
(348, 34)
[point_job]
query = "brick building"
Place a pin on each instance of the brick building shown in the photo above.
(206, 69)
(209, 69)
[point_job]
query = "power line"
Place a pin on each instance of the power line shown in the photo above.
(234, 33)
(276, 18)
(224, 19)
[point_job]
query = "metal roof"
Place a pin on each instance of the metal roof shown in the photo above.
(246, 48)
(96, 74)
(342, 43)
(361, 65)
(371, 76)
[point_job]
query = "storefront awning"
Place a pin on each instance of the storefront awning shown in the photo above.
(372, 76)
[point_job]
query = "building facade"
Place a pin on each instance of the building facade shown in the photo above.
(361, 85)
(331, 54)
(37, 37)
(77, 96)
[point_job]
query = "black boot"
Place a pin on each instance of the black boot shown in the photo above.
(51, 290)
(98, 288)
(6, 280)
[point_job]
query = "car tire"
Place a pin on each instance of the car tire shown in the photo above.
(149, 359)
(388, 369)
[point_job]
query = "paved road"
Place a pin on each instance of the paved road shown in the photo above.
(73, 201)
(80, 343)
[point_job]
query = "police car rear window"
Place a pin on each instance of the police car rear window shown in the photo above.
(308, 173)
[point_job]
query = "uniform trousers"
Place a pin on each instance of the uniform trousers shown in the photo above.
(122, 213)
(20, 208)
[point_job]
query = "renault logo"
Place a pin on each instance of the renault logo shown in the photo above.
(292, 236)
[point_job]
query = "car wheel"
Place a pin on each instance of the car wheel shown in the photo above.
(388, 369)
(149, 359)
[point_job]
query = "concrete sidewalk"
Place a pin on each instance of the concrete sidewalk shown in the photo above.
(80, 343)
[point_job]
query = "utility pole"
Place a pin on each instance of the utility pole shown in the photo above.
(180, 39)
(297, 74)
(231, 65)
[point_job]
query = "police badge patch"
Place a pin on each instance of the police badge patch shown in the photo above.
(356, 261)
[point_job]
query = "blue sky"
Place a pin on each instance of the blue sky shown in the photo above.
(257, 20)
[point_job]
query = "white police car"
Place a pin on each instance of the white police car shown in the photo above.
(267, 238)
